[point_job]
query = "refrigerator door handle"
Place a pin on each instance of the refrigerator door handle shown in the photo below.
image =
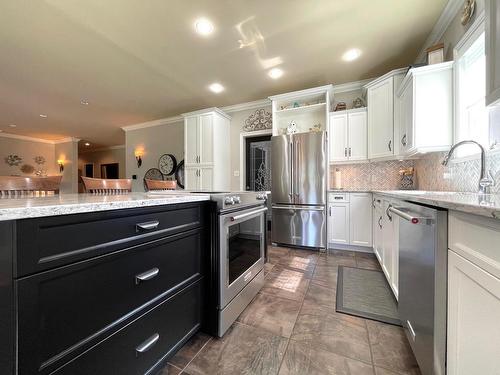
(299, 208)
(296, 189)
(291, 158)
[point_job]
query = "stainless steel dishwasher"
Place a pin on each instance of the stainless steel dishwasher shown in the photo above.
(422, 282)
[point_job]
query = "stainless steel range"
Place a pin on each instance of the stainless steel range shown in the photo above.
(239, 253)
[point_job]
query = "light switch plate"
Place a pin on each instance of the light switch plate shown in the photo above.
(236, 173)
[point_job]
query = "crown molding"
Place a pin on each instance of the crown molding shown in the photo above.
(449, 13)
(295, 94)
(351, 86)
(26, 138)
(256, 104)
(117, 147)
(207, 110)
(150, 124)
(67, 139)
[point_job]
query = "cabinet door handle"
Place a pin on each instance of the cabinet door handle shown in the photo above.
(403, 140)
(373, 203)
(380, 222)
(148, 275)
(349, 151)
(387, 212)
(149, 225)
(330, 210)
(147, 344)
(390, 145)
(345, 151)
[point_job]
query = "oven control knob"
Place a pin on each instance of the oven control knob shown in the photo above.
(229, 201)
(261, 197)
(236, 199)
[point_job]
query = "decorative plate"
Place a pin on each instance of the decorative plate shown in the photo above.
(167, 164)
(179, 174)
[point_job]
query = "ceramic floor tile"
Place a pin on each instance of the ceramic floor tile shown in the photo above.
(390, 348)
(275, 253)
(368, 261)
(273, 314)
(169, 370)
(310, 307)
(303, 359)
(268, 268)
(242, 350)
(189, 350)
(325, 276)
(345, 337)
(336, 259)
(321, 295)
(300, 260)
(286, 283)
(383, 371)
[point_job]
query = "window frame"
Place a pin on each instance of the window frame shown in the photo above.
(463, 45)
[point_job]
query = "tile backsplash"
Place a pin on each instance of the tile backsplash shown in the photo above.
(463, 176)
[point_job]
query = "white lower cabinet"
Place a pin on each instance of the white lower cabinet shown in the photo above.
(473, 342)
(386, 240)
(198, 178)
(350, 219)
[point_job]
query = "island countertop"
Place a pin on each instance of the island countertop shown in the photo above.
(66, 204)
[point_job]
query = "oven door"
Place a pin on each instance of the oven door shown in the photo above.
(242, 248)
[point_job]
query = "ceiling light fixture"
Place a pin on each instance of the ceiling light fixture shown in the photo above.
(43, 116)
(87, 144)
(351, 54)
(216, 87)
(275, 73)
(203, 26)
(84, 102)
(12, 125)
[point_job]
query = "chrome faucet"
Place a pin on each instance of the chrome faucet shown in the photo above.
(486, 180)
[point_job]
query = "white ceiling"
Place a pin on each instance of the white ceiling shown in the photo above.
(141, 60)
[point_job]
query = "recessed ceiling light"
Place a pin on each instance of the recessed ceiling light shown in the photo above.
(216, 87)
(12, 125)
(87, 144)
(84, 102)
(43, 116)
(351, 54)
(275, 73)
(203, 26)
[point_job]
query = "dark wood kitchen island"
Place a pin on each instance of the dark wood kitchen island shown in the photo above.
(100, 284)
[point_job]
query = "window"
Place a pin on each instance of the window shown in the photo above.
(472, 120)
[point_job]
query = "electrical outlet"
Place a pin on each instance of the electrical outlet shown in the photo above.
(447, 175)
(236, 173)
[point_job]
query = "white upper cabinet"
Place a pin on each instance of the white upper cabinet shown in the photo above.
(492, 52)
(381, 114)
(425, 110)
(206, 150)
(348, 135)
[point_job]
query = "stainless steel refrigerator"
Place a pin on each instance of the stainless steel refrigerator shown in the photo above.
(299, 180)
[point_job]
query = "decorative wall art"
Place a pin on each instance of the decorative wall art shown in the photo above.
(40, 161)
(27, 169)
(13, 160)
(259, 120)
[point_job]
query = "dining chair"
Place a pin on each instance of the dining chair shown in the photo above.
(107, 185)
(30, 186)
(152, 185)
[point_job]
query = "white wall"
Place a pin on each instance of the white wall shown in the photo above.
(68, 151)
(27, 150)
(155, 141)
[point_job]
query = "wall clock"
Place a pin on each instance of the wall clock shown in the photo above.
(167, 164)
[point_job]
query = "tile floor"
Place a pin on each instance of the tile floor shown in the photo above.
(291, 327)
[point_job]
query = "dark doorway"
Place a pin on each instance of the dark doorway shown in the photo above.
(258, 163)
(89, 170)
(109, 170)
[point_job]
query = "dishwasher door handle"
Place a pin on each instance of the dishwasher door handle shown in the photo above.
(411, 218)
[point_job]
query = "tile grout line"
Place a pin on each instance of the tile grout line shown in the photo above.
(198, 352)
(296, 318)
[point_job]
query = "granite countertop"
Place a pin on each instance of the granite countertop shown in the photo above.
(65, 204)
(473, 203)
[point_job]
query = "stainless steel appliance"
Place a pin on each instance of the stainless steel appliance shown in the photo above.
(238, 256)
(299, 178)
(422, 282)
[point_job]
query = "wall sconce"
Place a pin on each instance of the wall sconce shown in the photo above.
(60, 162)
(138, 156)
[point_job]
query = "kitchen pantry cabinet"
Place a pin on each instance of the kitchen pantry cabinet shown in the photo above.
(473, 295)
(425, 108)
(206, 153)
(348, 135)
(382, 114)
(492, 52)
(349, 219)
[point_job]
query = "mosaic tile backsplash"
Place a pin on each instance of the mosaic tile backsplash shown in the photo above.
(429, 173)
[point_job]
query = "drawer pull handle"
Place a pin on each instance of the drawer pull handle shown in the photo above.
(338, 198)
(146, 345)
(149, 225)
(148, 275)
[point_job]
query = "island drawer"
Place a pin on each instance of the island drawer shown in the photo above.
(63, 311)
(49, 242)
(145, 343)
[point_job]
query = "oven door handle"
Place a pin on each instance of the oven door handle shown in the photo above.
(242, 216)
(412, 219)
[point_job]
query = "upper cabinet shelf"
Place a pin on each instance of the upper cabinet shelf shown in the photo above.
(305, 109)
